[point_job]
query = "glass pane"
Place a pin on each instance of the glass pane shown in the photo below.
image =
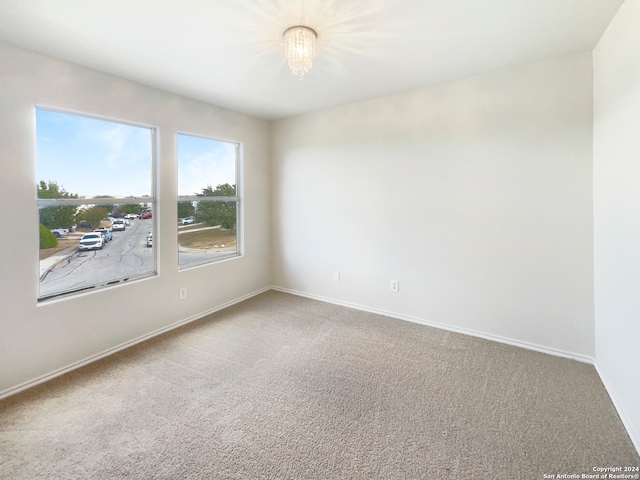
(92, 251)
(86, 157)
(206, 167)
(207, 231)
(81, 160)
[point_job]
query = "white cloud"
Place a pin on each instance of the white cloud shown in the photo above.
(205, 163)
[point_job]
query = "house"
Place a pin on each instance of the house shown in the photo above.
(502, 204)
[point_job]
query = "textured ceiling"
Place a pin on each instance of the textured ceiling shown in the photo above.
(229, 52)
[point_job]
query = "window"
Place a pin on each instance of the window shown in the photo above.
(208, 200)
(92, 174)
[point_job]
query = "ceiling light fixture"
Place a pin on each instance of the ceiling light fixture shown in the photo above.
(300, 48)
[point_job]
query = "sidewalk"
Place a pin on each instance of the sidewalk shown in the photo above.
(218, 227)
(218, 249)
(49, 263)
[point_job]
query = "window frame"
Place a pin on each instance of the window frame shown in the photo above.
(237, 198)
(152, 199)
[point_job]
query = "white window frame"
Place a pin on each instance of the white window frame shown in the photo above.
(152, 199)
(237, 198)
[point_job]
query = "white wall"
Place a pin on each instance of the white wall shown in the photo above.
(475, 195)
(616, 187)
(38, 339)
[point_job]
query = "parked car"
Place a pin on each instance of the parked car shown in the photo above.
(60, 232)
(106, 233)
(131, 216)
(118, 225)
(127, 222)
(188, 220)
(150, 240)
(146, 215)
(84, 224)
(91, 241)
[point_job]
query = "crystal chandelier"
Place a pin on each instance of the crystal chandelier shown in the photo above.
(300, 48)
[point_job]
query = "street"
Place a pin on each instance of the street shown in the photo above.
(126, 256)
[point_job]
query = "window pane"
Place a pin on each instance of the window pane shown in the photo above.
(207, 229)
(65, 267)
(200, 241)
(206, 166)
(90, 157)
(86, 169)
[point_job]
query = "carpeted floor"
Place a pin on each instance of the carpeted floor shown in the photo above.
(283, 387)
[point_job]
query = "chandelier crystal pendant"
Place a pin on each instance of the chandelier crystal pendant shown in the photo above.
(300, 48)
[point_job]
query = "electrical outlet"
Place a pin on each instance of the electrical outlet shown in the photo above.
(395, 286)
(336, 276)
(183, 293)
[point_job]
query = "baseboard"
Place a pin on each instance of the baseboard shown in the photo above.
(56, 373)
(473, 333)
(93, 358)
(633, 435)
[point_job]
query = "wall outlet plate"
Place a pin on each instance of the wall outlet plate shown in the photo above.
(183, 293)
(395, 286)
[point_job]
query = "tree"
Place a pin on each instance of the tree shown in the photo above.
(51, 189)
(110, 206)
(58, 217)
(185, 209)
(218, 213)
(52, 216)
(93, 215)
(130, 208)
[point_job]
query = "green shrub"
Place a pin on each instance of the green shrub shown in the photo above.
(47, 239)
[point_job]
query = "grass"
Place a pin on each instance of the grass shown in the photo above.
(210, 238)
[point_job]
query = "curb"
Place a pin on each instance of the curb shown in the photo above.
(59, 258)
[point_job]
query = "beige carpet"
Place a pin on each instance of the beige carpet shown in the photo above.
(282, 387)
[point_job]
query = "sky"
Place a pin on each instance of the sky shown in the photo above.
(90, 157)
(203, 162)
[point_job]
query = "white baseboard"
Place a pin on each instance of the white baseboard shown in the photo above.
(473, 333)
(56, 373)
(633, 435)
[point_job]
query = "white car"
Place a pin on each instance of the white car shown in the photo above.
(118, 225)
(131, 216)
(150, 240)
(188, 220)
(106, 234)
(91, 241)
(60, 232)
